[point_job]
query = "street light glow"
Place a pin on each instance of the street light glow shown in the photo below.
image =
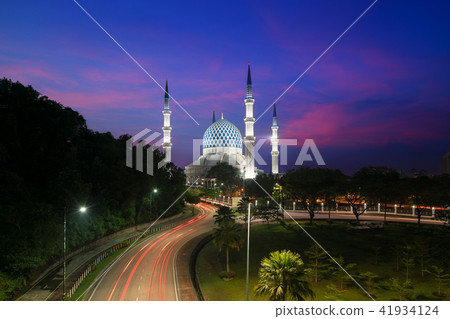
(83, 209)
(155, 190)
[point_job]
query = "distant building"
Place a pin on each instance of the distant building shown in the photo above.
(445, 163)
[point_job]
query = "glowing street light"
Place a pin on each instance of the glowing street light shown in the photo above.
(155, 191)
(82, 209)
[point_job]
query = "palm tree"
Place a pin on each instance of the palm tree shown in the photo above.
(228, 235)
(281, 275)
(223, 215)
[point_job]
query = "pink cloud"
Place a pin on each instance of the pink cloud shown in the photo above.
(105, 99)
(28, 72)
(343, 124)
(118, 75)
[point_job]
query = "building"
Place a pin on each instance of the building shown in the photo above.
(223, 142)
(445, 163)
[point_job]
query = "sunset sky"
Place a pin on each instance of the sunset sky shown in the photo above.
(379, 96)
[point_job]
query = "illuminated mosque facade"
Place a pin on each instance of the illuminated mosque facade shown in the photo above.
(223, 142)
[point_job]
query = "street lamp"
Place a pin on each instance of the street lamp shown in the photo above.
(248, 248)
(155, 191)
(82, 209)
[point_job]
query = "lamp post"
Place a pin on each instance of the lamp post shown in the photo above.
(248, 249)
(154, 192)
(81, 210)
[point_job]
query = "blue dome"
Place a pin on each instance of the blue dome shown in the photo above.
(222, 134)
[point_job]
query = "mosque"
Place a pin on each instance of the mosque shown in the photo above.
(223, 143)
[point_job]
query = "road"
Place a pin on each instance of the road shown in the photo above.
(148, 271)
(365, 217)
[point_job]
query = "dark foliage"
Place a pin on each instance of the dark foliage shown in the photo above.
(50, 161)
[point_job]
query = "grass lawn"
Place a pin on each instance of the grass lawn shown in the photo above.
(355, 246)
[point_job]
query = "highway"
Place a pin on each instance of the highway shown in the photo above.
(148, 270)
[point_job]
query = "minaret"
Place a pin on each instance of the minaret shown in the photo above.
(167, 145)
(214, 116)
(274, 141)
(249, 140)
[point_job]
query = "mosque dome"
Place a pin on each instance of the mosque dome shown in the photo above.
(223, 135)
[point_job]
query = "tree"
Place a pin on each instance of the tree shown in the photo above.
(402, 289)
(227, 235)
(333, 293)
(281, 277)
(318, 261)
(376, 250)
(227, 178)
(223, 215)
(338, 273)
(310, 185)
(243, 205)
(267, 213)
(408, 259)
(265, 181)
(423, 192)
(381, 185)
(368, 186)
(333, 187)
(49, 161)
(369, 279)
(8, 286)
(442, 194)
(422, 251)
(192, 197)
(439, 275)
(210, 192)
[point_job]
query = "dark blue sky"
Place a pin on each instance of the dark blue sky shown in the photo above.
(380, 96)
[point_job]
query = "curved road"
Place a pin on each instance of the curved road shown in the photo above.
(148, 270)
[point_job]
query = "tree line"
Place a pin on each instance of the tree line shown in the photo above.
(50, 161)
(362, 191)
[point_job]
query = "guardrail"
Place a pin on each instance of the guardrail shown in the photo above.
(216, 201)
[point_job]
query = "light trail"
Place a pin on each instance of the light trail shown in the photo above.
(148, 249)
